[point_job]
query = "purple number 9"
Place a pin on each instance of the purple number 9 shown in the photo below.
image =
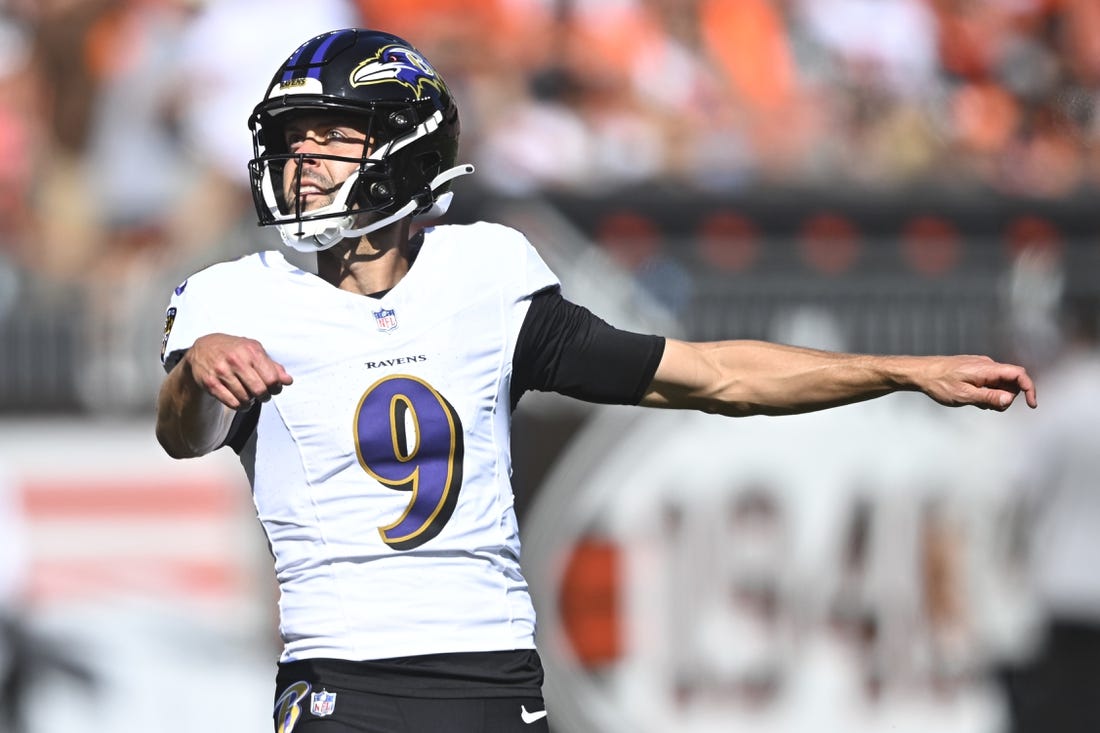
(409, 438)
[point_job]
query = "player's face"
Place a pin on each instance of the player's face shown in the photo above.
(323, 135)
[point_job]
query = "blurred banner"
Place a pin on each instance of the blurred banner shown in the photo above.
(845, 571)
(139, 585)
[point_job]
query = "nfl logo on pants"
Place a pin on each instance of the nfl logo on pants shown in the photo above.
(322, 703)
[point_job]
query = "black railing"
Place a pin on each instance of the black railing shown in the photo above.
(886, 273)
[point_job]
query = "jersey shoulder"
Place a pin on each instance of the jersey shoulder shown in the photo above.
(237, 273)
(490, 255)
(480, 234)
(220, 297)
(230, 284)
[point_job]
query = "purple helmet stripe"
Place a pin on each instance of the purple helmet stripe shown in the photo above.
(321, 46)
(319, 54)
(293, 61)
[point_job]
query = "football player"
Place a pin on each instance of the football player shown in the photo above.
(370, 401)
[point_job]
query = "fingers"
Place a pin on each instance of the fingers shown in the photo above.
(227, 395)
(999, 384)
(1001, 400)
(978, 381)
(236, 371)
(262, 377)
(1010, 381)
(1027, 386)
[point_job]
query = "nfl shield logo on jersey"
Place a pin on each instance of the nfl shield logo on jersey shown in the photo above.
(386, 319)
(322, 703)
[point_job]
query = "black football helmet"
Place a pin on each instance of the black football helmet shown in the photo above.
(410, 120)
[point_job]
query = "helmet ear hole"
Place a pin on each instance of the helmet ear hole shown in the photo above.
(429, 164)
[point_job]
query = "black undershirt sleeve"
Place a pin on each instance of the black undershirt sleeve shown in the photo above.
(244, 424)
(562, 347)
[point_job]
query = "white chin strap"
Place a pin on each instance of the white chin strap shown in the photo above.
(314, 236)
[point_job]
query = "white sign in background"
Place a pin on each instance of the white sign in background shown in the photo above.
(148, 574)
(848, 570)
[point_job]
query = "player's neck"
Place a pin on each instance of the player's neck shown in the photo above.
(370, 264)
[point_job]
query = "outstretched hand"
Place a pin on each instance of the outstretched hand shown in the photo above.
(975, 380)
(237, 371)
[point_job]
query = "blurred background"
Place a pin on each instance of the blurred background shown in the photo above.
(891, 176)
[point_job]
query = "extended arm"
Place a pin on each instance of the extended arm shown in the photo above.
(739, 378)
(219, 375)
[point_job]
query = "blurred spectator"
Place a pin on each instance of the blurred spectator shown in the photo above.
(1054, 692)
(717, 94)
(221, 64)
(642, 91)
(69, 76)
(873, 67)
(1013, 105)
(875, 43)
(18, 140)
(467, 36)
(136, 169)
(1033, 293)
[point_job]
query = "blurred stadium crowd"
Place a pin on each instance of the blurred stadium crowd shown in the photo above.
(122, 122)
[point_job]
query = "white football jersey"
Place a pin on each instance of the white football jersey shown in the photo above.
(382, 474)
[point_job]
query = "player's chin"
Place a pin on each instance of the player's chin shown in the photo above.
(310, 202)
